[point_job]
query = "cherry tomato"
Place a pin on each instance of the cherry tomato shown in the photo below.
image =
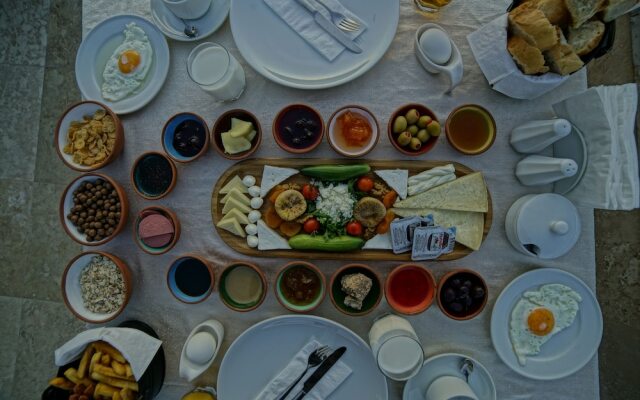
(311, 225)
(310, 192)
(365, 184)
(354, 228)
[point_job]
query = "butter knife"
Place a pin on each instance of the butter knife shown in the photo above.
(330, 27)
(320, 372)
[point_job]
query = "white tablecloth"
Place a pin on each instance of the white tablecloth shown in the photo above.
(396, 79)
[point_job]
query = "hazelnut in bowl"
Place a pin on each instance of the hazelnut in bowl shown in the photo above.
(298, 128)
(413, 129)
(96, 286)
(353, 131)
(236, 134)
(88, 136)
(185, 137)
(93, 209)
(462, 294)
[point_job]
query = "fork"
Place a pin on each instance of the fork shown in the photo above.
(342, 21)
(315, 358)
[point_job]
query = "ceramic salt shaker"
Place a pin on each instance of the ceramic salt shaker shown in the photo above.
(438, 53)
(540, 170)
(534, 136)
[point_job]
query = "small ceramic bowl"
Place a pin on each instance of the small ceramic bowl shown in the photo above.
(168, 135)
(180, 294)
(487, 119)
(336, 142)
(224, 295)
(404, 275)
(291, 306)
(370, 302)
(422, 110)
(165, 212)
(66, 203)
(72, 292)
(136, 179)
(279, 134)
(223, 124)
(463, 275)
(76, 112)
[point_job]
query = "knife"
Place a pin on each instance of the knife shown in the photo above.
(320, 372)
(330, 27)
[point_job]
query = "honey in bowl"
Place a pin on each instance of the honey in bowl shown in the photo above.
(471, 129)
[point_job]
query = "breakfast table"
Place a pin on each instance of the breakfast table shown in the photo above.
(396, 80)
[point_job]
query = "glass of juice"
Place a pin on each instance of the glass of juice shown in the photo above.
(216, 71)
(431, 6)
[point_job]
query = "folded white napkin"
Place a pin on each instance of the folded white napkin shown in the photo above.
(329, 382)
(136, 346)
(301, 21)
(489, 47)
(606, 117)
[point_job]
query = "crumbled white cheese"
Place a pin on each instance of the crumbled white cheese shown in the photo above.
(335, 201)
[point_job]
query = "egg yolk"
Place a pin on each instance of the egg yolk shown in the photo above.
(541, 321)
(128, 61)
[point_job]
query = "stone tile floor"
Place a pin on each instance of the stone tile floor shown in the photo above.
(38, 40)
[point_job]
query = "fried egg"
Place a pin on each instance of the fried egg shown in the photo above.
(539, 315)
(128, 66)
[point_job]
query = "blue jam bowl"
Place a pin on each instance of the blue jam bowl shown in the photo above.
(169, 130)
(172, 278)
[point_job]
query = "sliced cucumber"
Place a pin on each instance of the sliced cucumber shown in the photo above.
(319, 243)
(336, 172)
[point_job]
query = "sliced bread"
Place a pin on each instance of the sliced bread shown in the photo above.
(562, 59)
(530, 24)
(615, 8)
(528, 57)
(555, 10)
(582, 10)
(587, 37)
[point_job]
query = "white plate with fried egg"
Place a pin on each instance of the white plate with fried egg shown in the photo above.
(122, 62)
(546, 324)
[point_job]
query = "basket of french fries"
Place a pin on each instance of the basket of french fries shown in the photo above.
(103, 372)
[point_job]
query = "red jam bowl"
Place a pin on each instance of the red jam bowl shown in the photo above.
(410, 289)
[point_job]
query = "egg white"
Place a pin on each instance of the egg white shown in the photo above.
(118, 85)
(561, 300)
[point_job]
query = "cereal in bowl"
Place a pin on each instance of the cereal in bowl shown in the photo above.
(91, 140)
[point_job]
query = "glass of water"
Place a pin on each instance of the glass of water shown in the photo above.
(216, 71)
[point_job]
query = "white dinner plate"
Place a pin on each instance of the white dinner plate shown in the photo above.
(448, 364)
(262, 351)
(567, 351)
(206, 25)
(273, 49)
(100, 43)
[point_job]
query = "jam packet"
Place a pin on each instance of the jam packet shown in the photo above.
(402, 232)
(431, 242)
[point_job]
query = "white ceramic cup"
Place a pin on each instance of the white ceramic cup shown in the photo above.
(188, 9)
(450, 388)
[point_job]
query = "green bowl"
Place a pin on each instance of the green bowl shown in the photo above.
(228, 300)
(370, 302)
(300, 308)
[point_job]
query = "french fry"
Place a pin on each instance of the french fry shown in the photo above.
(95, 359)
(129, 370)
(104, 390)
(74, 396)
(116, 396)
(106, 348)
(84, 361)
(72, 375)
(126, 394)
(121, 383)
(61, 383)
(119, 368)
(108, 371)
(105, 359)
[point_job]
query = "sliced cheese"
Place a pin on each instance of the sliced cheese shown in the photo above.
(234, 145)
(469, 225)
(268, 239)
(232, 225)
(251, 135)
(235, 204)
(240, 128)
(235, 193)
(396, 179)
(271, 176)
(235, 182)
(430, 183)
(430, 173)
(467, 193)
(238, 215)
(379, 242)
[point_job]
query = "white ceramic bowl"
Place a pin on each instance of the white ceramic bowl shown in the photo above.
(331, 131)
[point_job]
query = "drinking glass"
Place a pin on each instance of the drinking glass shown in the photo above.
(216, 71)
(431, 6)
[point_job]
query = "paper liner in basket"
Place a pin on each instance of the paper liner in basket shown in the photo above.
(489, 47)
(136, 346)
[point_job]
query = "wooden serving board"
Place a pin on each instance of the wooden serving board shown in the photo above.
(254, 167)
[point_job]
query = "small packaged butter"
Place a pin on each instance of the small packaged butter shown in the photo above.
(431, 242)
(402, 232)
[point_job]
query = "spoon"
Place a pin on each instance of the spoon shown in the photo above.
(466, 368)
(190, 31)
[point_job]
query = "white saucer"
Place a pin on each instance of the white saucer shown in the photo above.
(572, 146)
(448, 364)
(173, 27)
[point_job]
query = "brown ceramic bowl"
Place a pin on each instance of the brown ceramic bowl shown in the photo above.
(372, 299)
(168, 132)
(66, 202)
(278, 134)
(76, 112)
(462, 274)
(404, 275)
(177, 293)
(422, 110)
(72, 292)
(485, 118)
(332, 133)
(228, 301)
(166, 213)
(223, 124)
(300, 308)
(134, 180)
